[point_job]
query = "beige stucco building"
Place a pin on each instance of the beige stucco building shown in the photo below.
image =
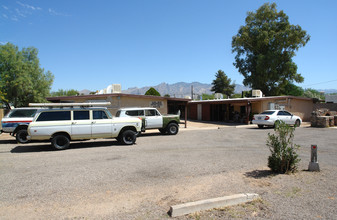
(243, 108)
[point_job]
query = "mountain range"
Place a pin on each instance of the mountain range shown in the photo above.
(180, 89)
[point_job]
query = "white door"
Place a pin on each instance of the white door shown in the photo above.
(81, 125)
(101, 125)
(153, 119)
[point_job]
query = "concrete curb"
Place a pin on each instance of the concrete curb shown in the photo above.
(187, 208)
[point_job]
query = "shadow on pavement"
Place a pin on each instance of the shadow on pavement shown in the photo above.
(258, 174)
(74, 145)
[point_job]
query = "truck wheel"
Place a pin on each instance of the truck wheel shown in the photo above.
(21, 136)
(172, 129)
(60, 142)
(128, 137)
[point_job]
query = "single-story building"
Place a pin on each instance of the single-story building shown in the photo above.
(242, 109)
(165, 105)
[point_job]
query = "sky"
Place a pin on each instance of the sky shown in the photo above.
(89, 44)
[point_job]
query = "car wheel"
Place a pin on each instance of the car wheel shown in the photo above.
(276, 124)
(60, 142)
(260, 126)
(128, 137)
(21, 136)
(172, 129)
(298, 123)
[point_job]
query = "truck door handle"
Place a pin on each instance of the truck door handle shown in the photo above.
(73, 123)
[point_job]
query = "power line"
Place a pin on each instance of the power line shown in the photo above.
(321, 83)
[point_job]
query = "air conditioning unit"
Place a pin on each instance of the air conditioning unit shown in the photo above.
(257, 93)
(114, 88)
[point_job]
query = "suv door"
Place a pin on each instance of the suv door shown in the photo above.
(101, 124)
(81, 124)
(153, 119)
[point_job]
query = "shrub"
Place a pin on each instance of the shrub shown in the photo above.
(284, 158)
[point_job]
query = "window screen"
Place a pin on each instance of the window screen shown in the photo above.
(54, 116)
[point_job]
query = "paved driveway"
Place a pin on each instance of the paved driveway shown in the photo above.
(104, 180)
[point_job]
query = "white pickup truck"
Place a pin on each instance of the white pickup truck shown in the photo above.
(61, 125)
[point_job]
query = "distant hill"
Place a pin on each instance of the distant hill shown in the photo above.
(180, 89)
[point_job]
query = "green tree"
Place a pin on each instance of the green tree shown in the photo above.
(265, 47)
(22, 80)
(206, 96)
(152, 91)
(61, 92)
(291, 89)
(312, 93)
(222, 84)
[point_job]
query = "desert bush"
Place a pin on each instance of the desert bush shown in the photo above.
(284, 158)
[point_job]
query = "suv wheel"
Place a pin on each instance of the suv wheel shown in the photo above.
(128, 137)
(172, 128)
(60, 142)
(21, 136)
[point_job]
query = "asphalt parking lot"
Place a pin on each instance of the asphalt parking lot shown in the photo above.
(100, 179)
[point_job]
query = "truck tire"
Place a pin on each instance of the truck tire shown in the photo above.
(128, 137)
(21, 136)
(60, 142)
(172, 129)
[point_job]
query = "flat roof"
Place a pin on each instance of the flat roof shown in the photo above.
(68, 98)
(251, 99)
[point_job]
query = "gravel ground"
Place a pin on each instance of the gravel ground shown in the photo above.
(103, 180)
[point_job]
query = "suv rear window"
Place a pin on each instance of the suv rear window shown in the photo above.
(135, 112)
(54, 116)
(22, 113)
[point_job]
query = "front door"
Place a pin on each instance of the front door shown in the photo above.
(153, 119)
(101, 124)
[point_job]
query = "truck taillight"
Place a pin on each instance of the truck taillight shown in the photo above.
(253, 118)
(266, 118)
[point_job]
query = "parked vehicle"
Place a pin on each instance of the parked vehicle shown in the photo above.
(62, 125)
(272, 117)
(16, 122)
(152, 119)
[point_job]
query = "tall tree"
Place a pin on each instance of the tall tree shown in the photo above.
(22, 80)
(222, 84)
(152, 91)
(265, 47)
(61, 92)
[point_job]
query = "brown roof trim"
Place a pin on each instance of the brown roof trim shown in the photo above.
(67, 98)
(245, 100)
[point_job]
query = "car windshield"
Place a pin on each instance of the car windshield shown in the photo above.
(267, 113)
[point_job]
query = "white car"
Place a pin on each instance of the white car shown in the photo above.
(270, 117)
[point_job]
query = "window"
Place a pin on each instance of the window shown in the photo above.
(135, 113)
(54, 116)
(267, 113)
(81, 115)
(99, 114)
(23, 113)
(150, 112)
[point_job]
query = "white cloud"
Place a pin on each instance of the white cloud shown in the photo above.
(5, 7)
(5, 16)
(28, 6)
(53, 12)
